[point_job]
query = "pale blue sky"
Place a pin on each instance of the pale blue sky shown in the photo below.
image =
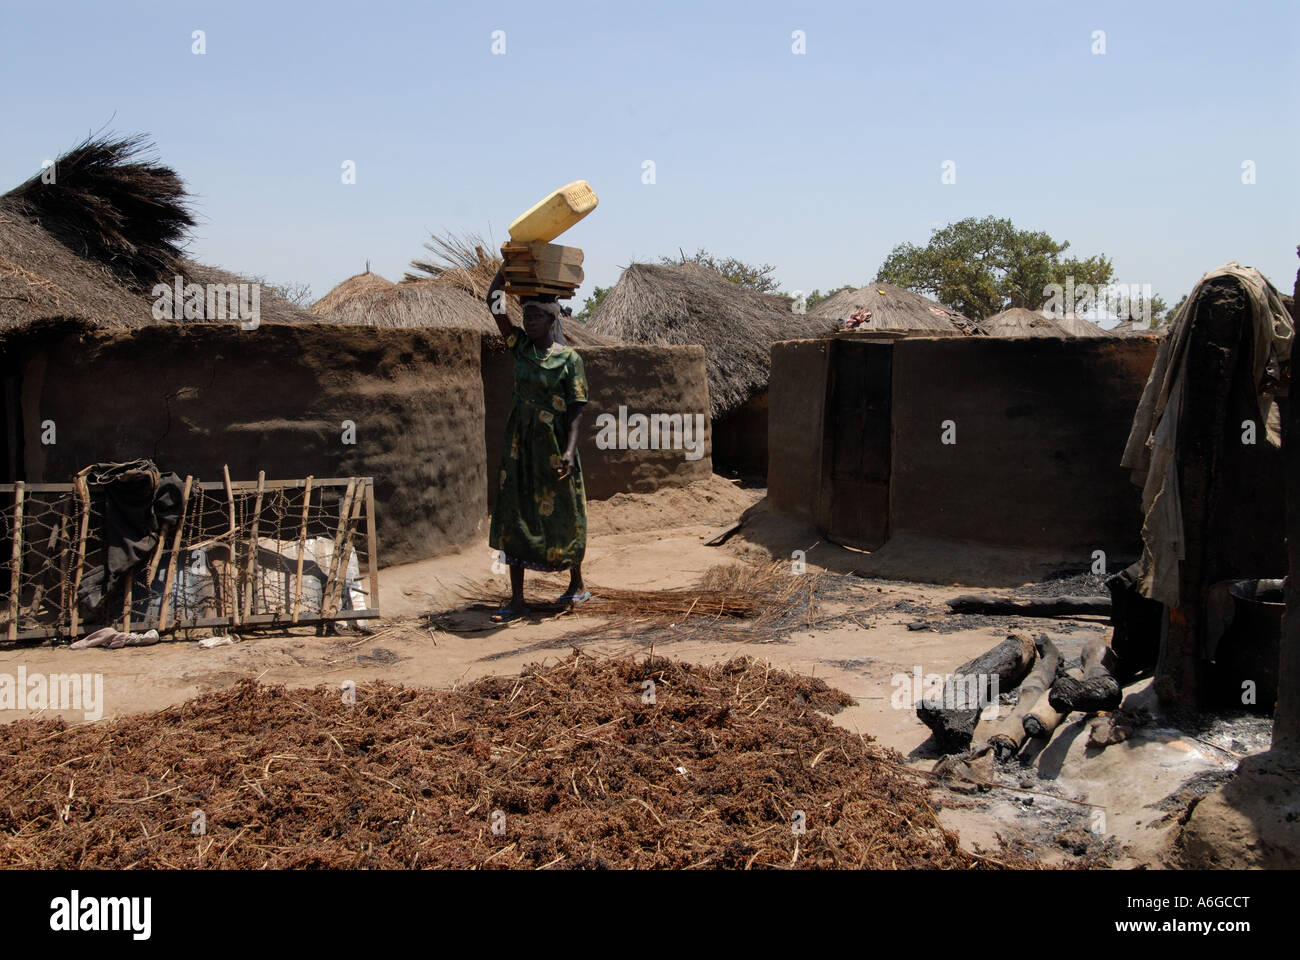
(817, 163)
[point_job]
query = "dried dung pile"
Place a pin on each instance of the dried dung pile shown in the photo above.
(571, 762)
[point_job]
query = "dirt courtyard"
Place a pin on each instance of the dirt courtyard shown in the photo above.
(1056, 804)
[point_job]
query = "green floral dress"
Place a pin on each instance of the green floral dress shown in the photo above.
(539, 521)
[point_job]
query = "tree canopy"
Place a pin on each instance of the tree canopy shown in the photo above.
(756, 277)
(982, 266)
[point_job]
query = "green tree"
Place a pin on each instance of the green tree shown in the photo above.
(590, 305)
(1168, 315)
(750, 276)
(982, 266)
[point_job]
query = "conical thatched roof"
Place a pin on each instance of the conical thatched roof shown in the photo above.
(1127, 328)
(92, 244)
(448, 290)
(428, 303)
(1019, 322)
(1076, 326)
(361, 285)
(894, 308)
(691, 304)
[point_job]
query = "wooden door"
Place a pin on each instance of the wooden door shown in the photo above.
(853, 508)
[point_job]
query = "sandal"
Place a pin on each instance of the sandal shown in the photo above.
(574, 599)
(506, 615)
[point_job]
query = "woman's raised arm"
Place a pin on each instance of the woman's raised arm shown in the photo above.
(496, 302)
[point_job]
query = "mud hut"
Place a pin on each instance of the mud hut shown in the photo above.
(85, 249)
(896, 310)
(691, 304)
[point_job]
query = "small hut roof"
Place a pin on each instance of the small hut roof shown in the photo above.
(448, 290)
(894, 308)
(91, 244)
(690, 304)
(360, 285)
(430, 303)
(1076, 326)
(1127, 328)
(1019, 322)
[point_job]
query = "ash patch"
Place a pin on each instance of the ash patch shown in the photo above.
(1237, 731)
(1178, 803)
(1064, 583)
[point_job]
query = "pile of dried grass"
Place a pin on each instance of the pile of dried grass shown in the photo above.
(731, 602)
(584, 772)
(462, 262)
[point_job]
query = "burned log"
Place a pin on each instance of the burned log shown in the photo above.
(1042, 719)
(1011, 732)
(1063, 606)
(1096, 690)
(952, 717)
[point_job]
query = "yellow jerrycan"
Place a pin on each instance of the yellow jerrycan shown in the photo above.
(550, 217)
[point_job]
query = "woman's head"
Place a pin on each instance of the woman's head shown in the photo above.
(541, 320)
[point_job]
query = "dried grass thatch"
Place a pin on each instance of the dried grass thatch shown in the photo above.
(895, 309)
(1128, 328)
(448, 290)
(111, 203)
(362, 285)
(1076, 326)
(690, 304)
(91, 245)
(733, 603)
(1021, 322)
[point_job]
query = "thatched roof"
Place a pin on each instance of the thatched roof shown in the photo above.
(1076, 326)
(361, 285)
(1127, 328)
(1020, 322)
(428, 303)
(895, 308)
(91, 245)
(690, 304)
(449, 290)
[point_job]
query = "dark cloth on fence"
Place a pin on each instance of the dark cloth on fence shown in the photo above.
(138, 501)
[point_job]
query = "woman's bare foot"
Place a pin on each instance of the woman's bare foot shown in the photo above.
(510, 611)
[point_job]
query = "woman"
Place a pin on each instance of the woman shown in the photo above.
(539, 520)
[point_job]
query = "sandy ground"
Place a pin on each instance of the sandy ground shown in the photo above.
(1065, 796)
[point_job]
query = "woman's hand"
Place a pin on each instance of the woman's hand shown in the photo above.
(566, 465)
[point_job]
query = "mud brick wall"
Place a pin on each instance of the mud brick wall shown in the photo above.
(195, 397)
(1041, 425)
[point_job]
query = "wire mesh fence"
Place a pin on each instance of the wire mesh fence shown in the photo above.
(242, 553)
